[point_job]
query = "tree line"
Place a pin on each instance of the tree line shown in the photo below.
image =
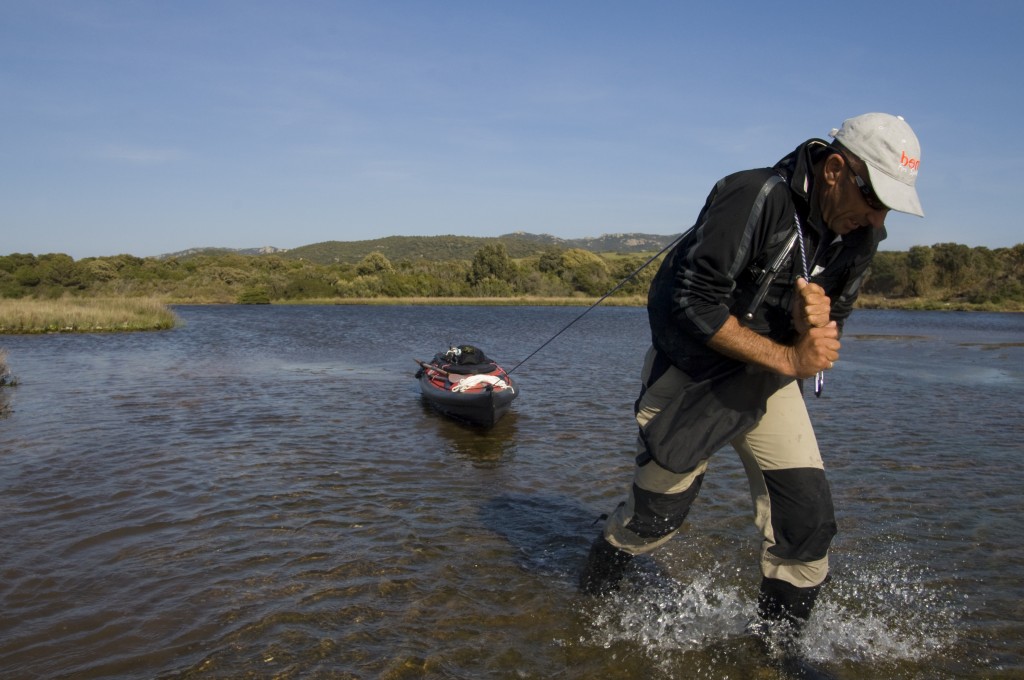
(945, 272)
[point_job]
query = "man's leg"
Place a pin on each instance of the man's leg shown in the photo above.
(658, 500)
(792, 507)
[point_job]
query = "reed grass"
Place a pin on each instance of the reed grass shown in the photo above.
(84, 315)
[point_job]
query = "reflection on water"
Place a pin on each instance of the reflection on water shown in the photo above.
(264, 493)
(478, 445)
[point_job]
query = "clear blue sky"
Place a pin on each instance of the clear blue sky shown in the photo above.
(148, 127)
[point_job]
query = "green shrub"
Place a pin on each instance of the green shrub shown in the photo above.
(254, 296)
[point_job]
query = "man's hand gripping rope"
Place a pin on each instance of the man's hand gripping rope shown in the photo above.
(817, 347)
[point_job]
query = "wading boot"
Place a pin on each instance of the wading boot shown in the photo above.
(782, 602)
(782, 611)
(605, 567)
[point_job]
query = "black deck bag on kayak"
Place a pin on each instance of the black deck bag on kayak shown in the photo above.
(465, 360)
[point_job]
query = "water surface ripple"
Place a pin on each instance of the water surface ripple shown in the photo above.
(262, 493)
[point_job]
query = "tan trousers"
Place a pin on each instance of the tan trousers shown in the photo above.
(787, 485)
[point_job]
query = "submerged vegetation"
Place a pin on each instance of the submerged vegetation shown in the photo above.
(5, 376)
(6, 380)
(70, 314)
(943, 276)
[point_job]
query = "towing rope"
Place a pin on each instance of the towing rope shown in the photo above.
(603, 297)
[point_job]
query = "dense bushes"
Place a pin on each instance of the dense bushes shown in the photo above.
(946, 271)
(950, 272)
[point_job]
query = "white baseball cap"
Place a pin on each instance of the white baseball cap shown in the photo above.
(892, 153)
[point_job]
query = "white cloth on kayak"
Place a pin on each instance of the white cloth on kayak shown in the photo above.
(471, 381)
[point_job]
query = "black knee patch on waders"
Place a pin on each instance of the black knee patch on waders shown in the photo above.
(659, 514)
(803, 518)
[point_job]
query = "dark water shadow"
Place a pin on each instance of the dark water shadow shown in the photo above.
(991, 345)
(551, 534)
(886, 336)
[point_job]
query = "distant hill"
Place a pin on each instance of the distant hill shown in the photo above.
(191, 252)
(437, 248)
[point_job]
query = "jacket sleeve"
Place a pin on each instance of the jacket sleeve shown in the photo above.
(733, 228)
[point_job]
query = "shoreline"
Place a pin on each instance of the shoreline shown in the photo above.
(130, 314)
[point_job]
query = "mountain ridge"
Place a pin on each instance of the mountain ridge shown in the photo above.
(444, 247)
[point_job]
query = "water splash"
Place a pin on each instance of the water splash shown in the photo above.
(659, 613)
(883, 612)
(870, 614)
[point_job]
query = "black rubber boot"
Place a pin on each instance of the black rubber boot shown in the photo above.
(779, 601)
(783, 610)
(605, 567)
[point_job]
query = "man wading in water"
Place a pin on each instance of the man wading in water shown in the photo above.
(749, 304)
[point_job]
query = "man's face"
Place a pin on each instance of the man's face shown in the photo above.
(848, 203)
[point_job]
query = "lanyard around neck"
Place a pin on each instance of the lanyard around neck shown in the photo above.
(819, 379)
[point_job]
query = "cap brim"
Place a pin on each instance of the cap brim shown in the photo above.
(895, 194)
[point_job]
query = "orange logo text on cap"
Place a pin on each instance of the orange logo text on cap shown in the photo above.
(909, 164)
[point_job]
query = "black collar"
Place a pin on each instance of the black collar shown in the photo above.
(798, 170)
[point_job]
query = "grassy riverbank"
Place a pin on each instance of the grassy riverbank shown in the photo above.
(84, 315)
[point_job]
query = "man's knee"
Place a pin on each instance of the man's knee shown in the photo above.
(803, 519)
(659, 514)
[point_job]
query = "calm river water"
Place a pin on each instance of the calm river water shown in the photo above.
(262, 493)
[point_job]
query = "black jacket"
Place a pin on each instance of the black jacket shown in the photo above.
(713, 271)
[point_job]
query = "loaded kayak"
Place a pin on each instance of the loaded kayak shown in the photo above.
(464, 384)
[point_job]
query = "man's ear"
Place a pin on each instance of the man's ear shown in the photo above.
(833, 168)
